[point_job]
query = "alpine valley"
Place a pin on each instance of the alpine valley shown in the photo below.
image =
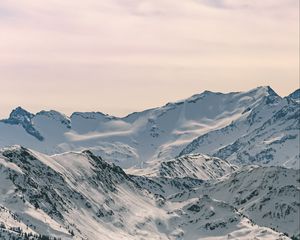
(213, 166)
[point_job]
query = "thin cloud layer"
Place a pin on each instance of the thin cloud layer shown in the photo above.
(142, 53)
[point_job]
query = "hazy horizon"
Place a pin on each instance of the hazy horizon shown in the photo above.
(118, 57)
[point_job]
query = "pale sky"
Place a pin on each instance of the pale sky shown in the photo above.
(119, 56)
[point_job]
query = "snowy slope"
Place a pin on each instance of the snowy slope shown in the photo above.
(267, 134)
(180, 174)
(196, 166)
(73, 193)
(208, 123)
(269, 196)
(77, 195)
(206, 218)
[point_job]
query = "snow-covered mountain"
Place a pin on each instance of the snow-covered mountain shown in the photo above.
(188, 171)
(267, 195)
(256, 126)
(77, 195)
(267, 134)
(73, 194)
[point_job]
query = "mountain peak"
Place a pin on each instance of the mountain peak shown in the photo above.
(270, 91)
(91, 115)
(267, 90)
(52, 113)
(203, 94)
(56, 116)
(295, 95)
(260, 91)
(20, 114)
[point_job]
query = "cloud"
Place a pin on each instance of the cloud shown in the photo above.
(251, 4)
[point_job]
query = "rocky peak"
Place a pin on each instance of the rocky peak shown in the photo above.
(20, 116)
(295, 95)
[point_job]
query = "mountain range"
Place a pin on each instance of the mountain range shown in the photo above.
(257, 126)
(77, 195)
(212, 166)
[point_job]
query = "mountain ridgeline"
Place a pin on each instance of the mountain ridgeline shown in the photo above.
(253, 127)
